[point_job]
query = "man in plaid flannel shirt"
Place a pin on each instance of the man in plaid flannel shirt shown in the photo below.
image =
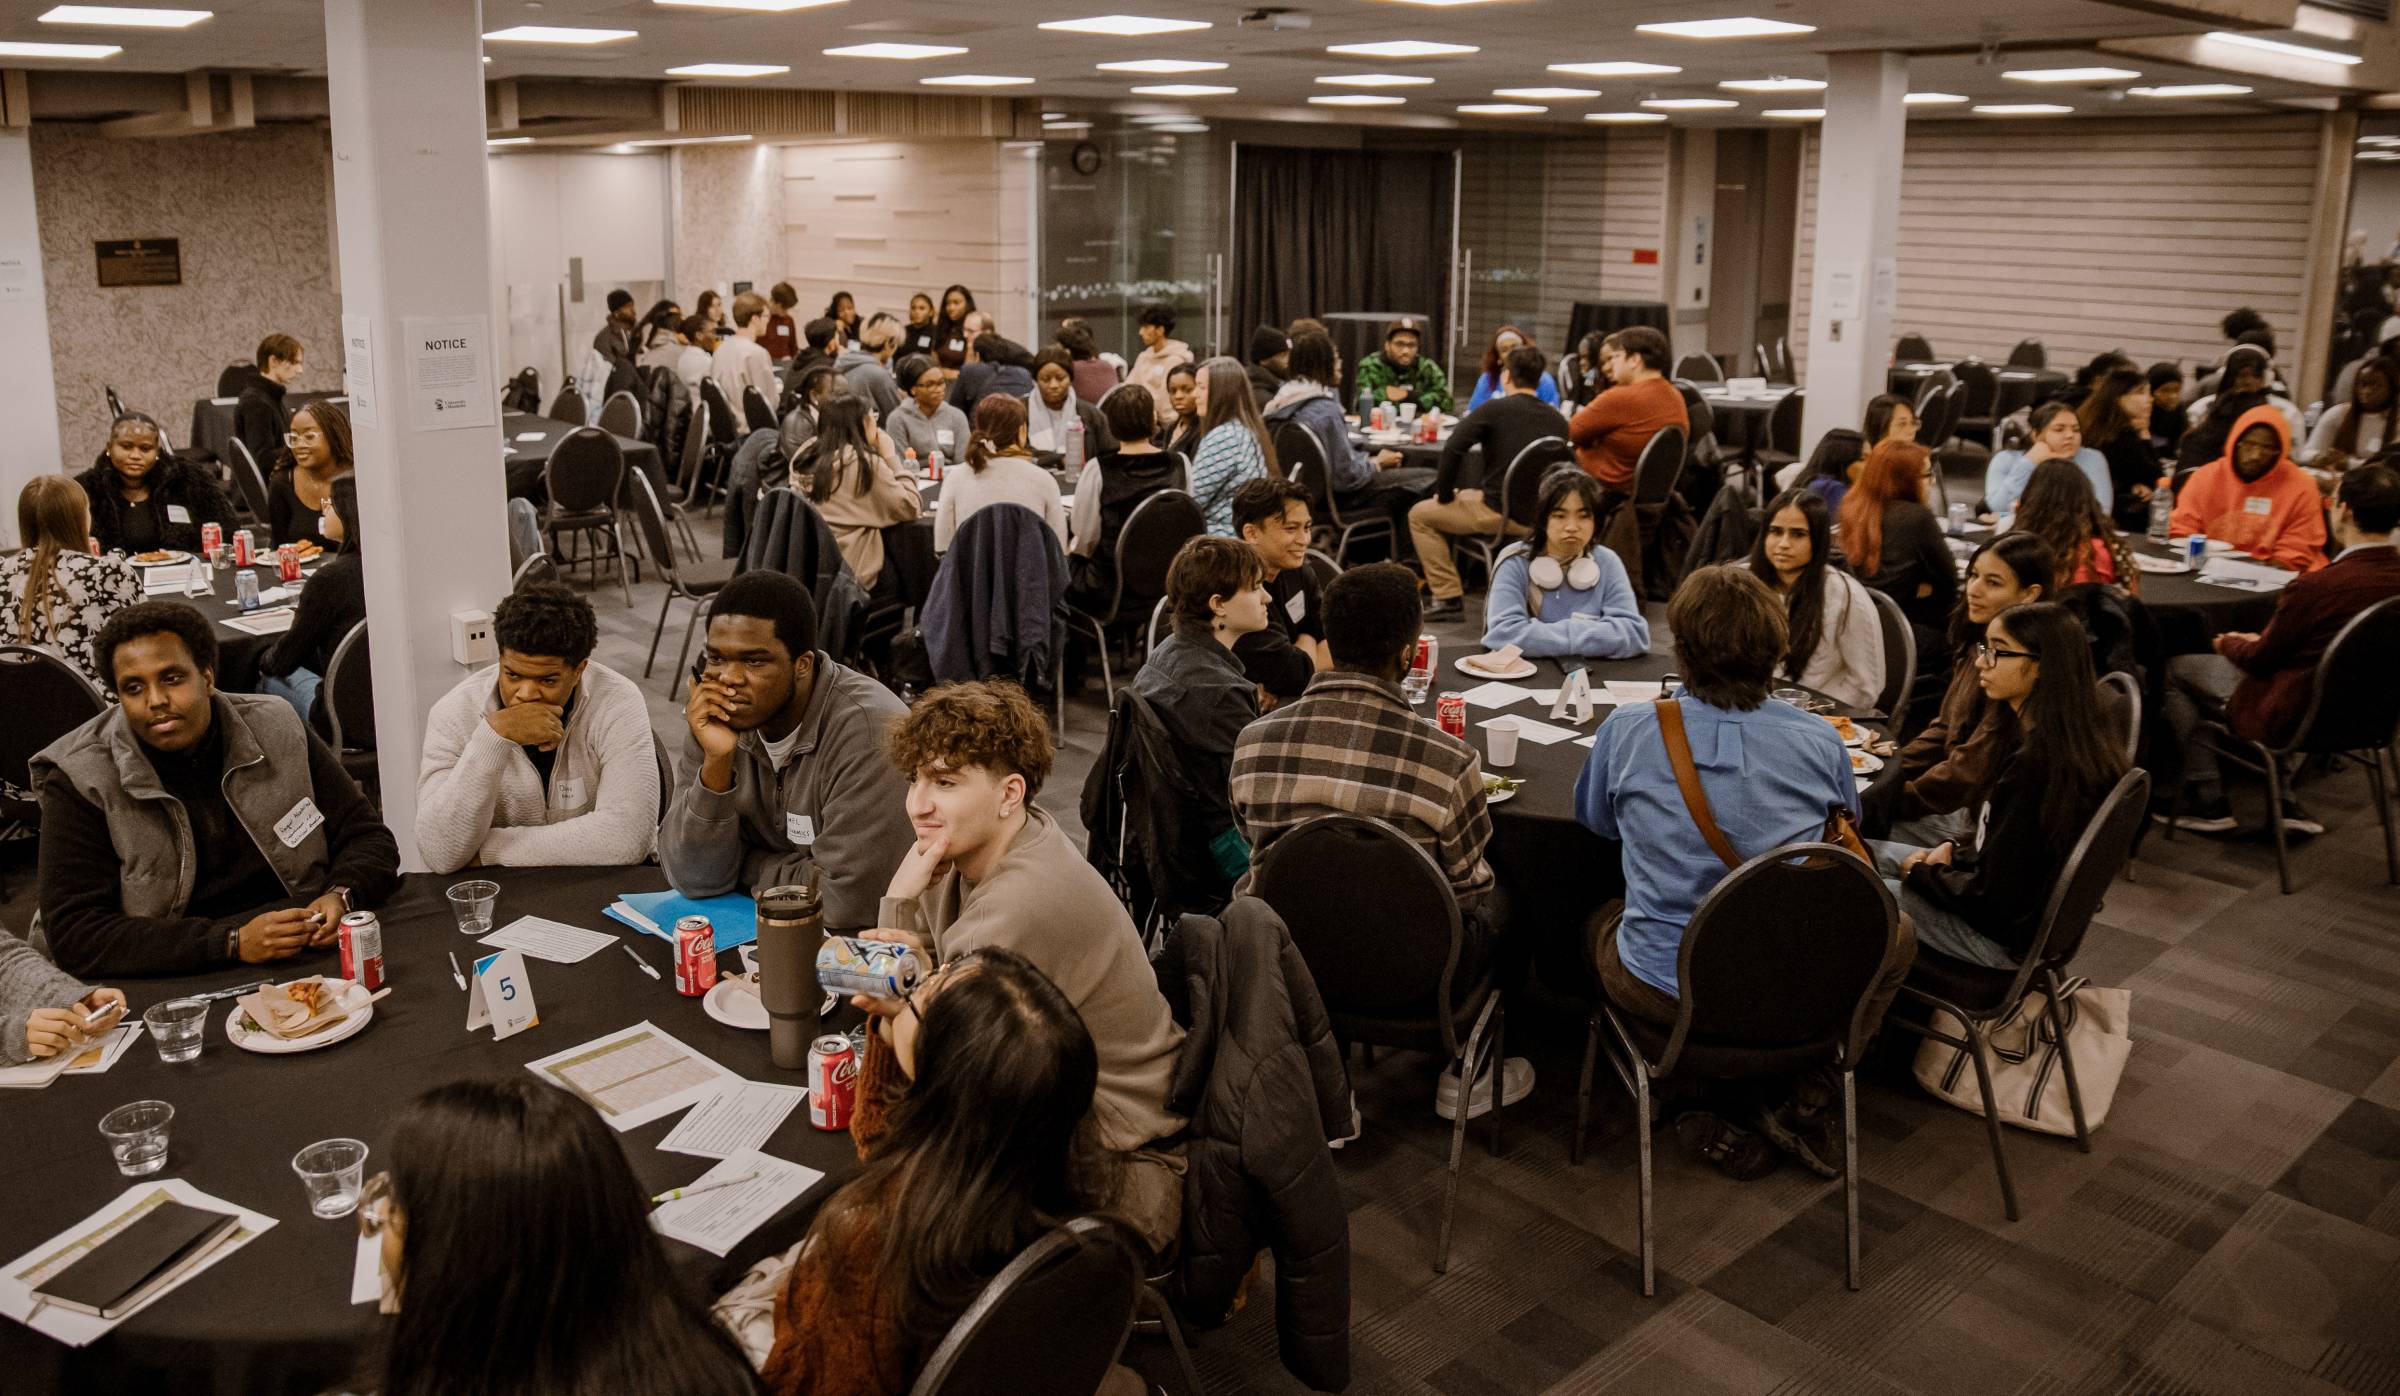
(1351, 744)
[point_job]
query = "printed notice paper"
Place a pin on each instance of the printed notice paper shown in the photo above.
(717, 1220)
(358, 371)
(449, 376)
(634, 1075)
(738, 1118)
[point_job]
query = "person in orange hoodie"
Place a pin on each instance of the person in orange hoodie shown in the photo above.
(2255, 498)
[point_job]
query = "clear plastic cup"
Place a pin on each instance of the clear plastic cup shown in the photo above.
(137, 1136)
(1500, 741)
(332, 1171)
(177, 1028)
(472, 902)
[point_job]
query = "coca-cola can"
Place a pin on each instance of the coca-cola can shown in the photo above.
(1450, 710)
(212, 538)
(245, 548)
(695, 956)
(287, 562)
(362, 950)
(832, 1081)
(1429, 654)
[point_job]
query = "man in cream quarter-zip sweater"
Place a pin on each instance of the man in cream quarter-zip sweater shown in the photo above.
(544, 759)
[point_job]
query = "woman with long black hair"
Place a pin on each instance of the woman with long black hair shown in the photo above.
(2057, 507)
(1836, 635)
(521, 1260)
(974, 1122)
(950, 327)
(2115, 418)
(1943, 766)
(1981, 900)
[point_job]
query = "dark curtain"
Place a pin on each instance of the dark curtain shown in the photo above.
(1320, 232)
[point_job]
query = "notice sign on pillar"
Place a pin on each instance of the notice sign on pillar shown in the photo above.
(358, 372)
(449, 372)
(1887, 285)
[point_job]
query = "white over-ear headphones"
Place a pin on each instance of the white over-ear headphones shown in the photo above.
(1583, 575)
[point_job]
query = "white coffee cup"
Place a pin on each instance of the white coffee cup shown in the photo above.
(1408, 412)
(1500, 740)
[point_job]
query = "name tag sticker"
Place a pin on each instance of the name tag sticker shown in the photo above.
(176, 513)
(945, 438)
(958, 346)
(2258, 505)
(570, 792)
(801, 829)
(1297, 607)
(299, 823)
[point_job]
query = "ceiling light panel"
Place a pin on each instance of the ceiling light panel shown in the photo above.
(28, 48)
(1935, 99)
(1125, 26)
(1624, 118)
(1740, 27)
(1356, 99)
(1402, 48)
(1772, 85)
(1547, 94)
(2192, 89)
(976, 80)
(124, 17)
(1501, 109)
(2288, 49)
(557, 34)
(1795, 113)
(1161, 66)
(1374, 80)
(2022, 109)
(1690, 103)
(903, 52)
(775, 7)
(1615, 69)
(727, 70)
(2070, 74)
(1185, 89)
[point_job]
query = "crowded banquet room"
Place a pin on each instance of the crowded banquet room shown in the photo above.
(1413, 697)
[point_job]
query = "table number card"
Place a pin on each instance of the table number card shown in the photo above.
(1574, 701)
(501, 995)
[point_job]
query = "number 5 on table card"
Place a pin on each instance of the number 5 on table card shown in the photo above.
(501, 994)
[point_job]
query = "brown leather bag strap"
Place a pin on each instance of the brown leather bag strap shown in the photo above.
(1687, 779)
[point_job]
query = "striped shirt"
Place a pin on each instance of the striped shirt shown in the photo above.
(1351, 744)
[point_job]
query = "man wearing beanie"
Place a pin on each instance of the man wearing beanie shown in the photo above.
(1269, 351)
(614, 342)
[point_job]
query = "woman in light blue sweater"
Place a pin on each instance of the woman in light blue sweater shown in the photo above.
(1554, 595)
(1234, 446)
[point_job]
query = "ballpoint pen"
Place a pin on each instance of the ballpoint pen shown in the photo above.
(456, 973)
(673, 1194)
(637, 959)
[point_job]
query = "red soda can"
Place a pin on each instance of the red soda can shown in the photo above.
(1451, 711)
(1429, 650)
(832, 1082)
(362, 950)
(212, 537)
(244, 547)
(287, 562)
(695, 956)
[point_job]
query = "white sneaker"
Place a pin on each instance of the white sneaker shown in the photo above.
(1516, 1074)
(1358, 1125)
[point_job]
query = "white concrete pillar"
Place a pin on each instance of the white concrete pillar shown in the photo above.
(29, 443)
(1858, 236)
(412, 222)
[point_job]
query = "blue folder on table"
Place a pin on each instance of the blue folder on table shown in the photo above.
(733, 915)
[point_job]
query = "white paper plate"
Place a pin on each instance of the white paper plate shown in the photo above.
(734, 1006)
(1865, 763)
(1501, 797)
(175, 557)
(1524, 670)
(354, 998)
(2151, 564)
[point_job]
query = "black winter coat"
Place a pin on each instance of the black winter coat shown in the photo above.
(1262, 1083)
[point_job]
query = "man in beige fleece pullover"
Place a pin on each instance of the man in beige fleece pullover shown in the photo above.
(545, 759)
(989, 869)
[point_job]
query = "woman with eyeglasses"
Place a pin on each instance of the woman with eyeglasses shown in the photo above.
(145, 499)
(519, 1259)
(974, 1106)
(1980, 899)
(315, 450)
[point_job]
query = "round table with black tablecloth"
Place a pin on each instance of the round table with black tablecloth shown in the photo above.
(1741, 418)
(274, 1317)
(530, 440)
(2188, 612)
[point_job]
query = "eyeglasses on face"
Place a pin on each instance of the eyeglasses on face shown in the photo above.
(1987, 654)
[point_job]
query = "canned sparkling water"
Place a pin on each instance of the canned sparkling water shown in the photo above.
(1450, 710)
(832, 1082)
(287, 562)
(362, 950)
(695, 956)
(212, 538)
(875, 968)
(1960, 515)
(245, 588)
(244, 548)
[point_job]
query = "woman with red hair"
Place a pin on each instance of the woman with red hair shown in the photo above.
(1893, 541)
(1495, 368)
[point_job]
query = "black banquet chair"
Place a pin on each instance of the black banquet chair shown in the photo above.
(350, 705)
(1520, 492)
(581, 480)
(568, 407)
(1053, 1320)
(1154, 532)
(2353, 713)
(1913, 349)
(46, 698)
(1979, 997)
(695, 582)
(1380, 929)
(248, 479)
(1899, 659)
(1774, 973)
(1304, 464)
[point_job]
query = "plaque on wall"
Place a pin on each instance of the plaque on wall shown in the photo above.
(140, 262)
(742, 287)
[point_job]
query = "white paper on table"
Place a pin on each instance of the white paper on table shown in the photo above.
(120, 1037)
(1496, 694)
(545, 939)
(634, 1075)
(718, 1219)
(737, 1119)
(1622, 691)
(2245, 576)
(531, 435)
(68, 1246)
(270, 622)
(1587, 740)
(366, 1271)
(1538, 733)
